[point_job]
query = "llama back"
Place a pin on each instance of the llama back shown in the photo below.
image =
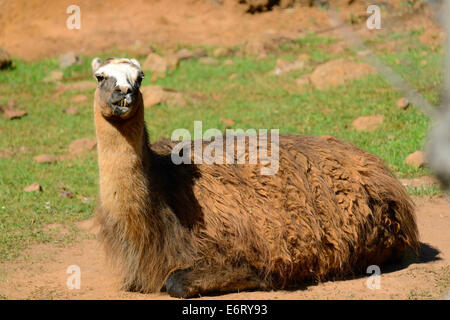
(323, 214)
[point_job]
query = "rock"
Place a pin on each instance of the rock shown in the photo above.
(338, 72)
(416, 159)
(14, 114)
(5, 59)
(69, 59)
(54, 76)
(421, 182)
(71, 111)
(403, 103)
(80, 146)
(45, 158)
(155, 63)
(33, 187)
(79, 98)
(221, 52)
(186, 54)
(282, 66)
(227, 122)
(209, 61)
(172, 62)
(154, 95)
(368, 123)
(228, 62)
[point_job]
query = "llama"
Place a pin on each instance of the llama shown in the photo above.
(330, 211)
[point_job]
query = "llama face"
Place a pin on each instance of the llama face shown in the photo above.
(118, 86)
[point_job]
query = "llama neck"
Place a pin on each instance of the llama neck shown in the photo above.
(123, 155)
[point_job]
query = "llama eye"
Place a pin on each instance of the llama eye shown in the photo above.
(99, 77)
(139, 79)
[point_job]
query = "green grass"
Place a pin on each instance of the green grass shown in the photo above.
(253, 99)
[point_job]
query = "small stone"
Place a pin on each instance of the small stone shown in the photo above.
(227, 122)
(209, 61)
(368, 123)
(80, 146)
(14, 114)
(228, 62)
(155, 63)
(69, 59)
(54, 76)
(33, 187)
(45, 158)
(152, 95)
(221, 52)
(338, 72)
(172, 62)
(403, 103)
(186, 54)
(416, 159)
(71, 111)
(283, 66)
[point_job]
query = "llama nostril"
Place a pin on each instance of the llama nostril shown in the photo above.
(124, 89)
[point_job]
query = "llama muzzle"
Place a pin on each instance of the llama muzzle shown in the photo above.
(121, 104)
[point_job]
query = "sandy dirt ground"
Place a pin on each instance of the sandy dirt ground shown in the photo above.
(36, 29)
(42, 273)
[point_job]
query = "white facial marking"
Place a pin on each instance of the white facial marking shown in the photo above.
(124, 73)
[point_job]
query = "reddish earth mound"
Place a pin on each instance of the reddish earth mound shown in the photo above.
(37, 28)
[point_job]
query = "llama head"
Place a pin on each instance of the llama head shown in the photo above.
(118, 82)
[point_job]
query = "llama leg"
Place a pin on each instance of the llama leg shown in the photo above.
(188, 283)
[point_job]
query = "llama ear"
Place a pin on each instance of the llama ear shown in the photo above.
(95, 64)
(134, 61)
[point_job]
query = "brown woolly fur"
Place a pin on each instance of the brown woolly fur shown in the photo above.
(330, 211)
